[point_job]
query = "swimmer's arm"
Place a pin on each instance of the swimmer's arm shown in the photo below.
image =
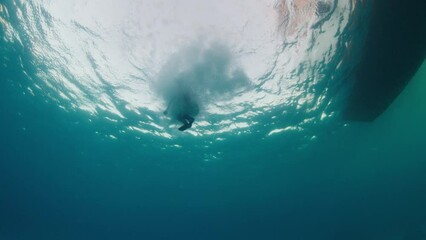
(168, 106)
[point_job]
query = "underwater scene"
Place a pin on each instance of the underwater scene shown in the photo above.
(224, 119)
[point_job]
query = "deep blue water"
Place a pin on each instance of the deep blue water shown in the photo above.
(89, 158)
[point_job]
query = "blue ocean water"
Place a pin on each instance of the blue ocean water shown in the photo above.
(86, 152)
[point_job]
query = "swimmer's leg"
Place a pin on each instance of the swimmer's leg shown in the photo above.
(189, 119)
(186, 124)
(184, 127)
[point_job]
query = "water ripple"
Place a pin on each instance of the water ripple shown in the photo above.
(107, 59)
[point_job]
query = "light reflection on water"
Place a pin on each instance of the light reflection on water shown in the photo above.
(105, 58)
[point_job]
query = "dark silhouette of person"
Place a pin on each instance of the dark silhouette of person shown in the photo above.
(183, 108)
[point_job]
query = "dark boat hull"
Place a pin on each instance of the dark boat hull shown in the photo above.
(394, 49)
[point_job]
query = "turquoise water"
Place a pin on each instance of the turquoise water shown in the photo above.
(86, 152)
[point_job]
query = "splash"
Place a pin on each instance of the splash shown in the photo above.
(207, 72)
